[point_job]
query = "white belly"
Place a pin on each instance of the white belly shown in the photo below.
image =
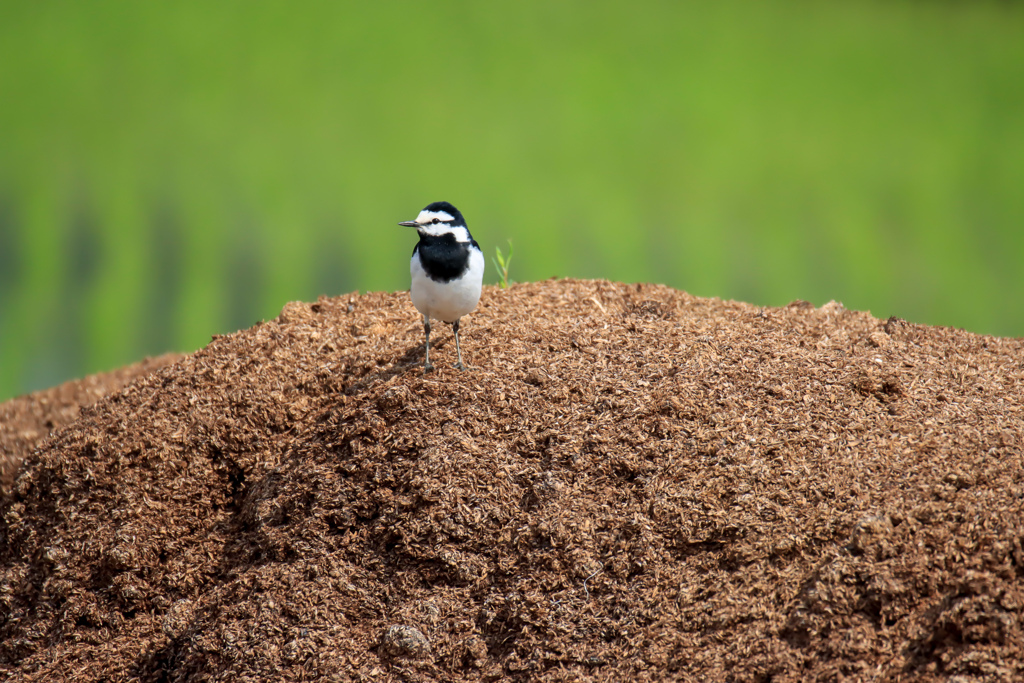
(447, 301)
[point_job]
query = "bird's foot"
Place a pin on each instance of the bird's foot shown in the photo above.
(460, 366)
(427, 367)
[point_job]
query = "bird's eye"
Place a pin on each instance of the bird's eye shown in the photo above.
(436, 221)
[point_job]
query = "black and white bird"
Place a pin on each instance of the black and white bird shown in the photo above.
(447, 270)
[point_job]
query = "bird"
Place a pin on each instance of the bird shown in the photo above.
(447, 269)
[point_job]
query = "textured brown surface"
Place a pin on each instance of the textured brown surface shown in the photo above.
(630, 484)
(27, 420)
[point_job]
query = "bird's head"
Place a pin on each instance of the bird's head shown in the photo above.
(439, 219)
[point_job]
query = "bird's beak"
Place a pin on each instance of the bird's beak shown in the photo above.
(410, 224)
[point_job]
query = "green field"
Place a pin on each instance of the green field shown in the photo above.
(171, 171)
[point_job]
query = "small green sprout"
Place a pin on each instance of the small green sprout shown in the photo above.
(502, 263)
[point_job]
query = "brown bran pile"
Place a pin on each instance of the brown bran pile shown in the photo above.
(631, 483)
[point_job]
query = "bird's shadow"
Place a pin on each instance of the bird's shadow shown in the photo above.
(410, 361)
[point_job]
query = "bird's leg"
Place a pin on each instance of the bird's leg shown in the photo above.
(427, 367)
(455, 328)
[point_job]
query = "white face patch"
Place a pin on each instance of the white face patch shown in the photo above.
(429, 227)
(427, 216)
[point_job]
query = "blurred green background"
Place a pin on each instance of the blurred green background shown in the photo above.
(173, 170)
